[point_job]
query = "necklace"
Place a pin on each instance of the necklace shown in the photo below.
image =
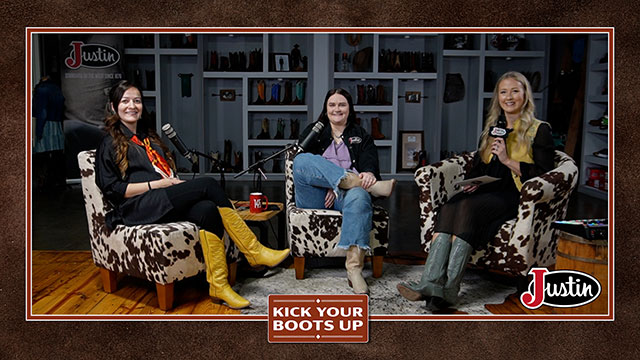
(336, 137)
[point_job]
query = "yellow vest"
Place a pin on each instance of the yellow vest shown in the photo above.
(518, 152)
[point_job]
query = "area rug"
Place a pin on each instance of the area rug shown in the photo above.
(477, 289)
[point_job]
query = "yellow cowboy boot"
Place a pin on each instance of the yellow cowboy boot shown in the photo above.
(215, 261)
(247, 242)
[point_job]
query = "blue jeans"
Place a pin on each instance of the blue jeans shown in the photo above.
(312, 176)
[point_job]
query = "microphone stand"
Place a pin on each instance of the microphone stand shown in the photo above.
(258, 165)
(217, 162)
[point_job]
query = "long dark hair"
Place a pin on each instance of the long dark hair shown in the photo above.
(352, 112)
(121, 142)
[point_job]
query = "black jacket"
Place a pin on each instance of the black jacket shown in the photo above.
(363, 151)
(146, 208)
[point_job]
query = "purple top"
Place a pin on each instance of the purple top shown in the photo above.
(339, 155)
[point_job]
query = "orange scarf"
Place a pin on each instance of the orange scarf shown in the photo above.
(158, 162)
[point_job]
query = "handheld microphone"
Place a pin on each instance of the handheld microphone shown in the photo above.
(177, 142)
(501, 131)
(317, 128)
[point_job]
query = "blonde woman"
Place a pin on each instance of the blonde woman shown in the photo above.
(470, 219)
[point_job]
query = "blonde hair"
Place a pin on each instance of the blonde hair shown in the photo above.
(527, 117)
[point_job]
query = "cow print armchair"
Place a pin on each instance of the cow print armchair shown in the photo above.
(160, 253)
(521, 243)
(315, 232)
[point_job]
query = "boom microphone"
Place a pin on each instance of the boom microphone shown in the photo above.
(499, 131)
(317, 128)
(177, 142)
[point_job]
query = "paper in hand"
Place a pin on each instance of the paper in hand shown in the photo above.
(480, 180)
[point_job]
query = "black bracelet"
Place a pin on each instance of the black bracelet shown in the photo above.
(149, 184)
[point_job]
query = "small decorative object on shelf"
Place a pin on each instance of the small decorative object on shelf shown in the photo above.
(281, 62)
(296, 59)
(411, 145)
(458, 42)
(506, 42)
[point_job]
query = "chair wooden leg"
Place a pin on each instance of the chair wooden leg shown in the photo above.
(233, 270)
(376, 265)
(108, 280)
(298, 264)
(165, 295)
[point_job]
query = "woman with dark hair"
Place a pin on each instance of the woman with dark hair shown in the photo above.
(340, 171)
(136, 173)
(472, 218)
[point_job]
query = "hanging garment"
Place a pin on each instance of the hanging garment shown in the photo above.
(454, 88)
(186, 84)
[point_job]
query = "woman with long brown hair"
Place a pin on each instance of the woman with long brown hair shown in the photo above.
(136, 173)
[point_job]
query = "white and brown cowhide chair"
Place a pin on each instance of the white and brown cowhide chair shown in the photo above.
(315, 232)
(521, 243)
(160, 253)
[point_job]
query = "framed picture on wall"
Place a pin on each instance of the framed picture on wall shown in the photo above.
(227, 95)
(412, 96)
(411, 143)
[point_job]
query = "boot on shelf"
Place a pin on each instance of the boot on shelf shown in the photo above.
(215, 165)
(242, 61)
(277, 168)
(237, 164)
(371, 95)
(380, 96)
(213, 64)
(215, 261)
(246, 240)
(275, 95)
(358, 121)
(361, 95)
(233, 61)
(286, 100)
(227, 155)
(224, 63)
(280, 129)
(261, 100)
(257, 156)
(264, 134)
(375, 129)
(379, 189)
(295, 129)
(299, 92)
(354, 264)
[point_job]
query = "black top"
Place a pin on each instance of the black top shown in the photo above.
(362, 149)
(476, 217)
(146, 208)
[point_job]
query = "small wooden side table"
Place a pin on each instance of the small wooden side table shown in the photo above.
(261, 220)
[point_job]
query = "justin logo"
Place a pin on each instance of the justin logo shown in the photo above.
(560, 288)
(355, 140)
(95, 56)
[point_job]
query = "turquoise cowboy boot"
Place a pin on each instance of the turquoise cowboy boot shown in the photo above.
(433, 276)
(458, 259)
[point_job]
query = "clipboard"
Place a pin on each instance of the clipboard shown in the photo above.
(480, 180)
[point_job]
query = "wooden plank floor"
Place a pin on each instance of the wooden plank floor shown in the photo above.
(67, 282)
